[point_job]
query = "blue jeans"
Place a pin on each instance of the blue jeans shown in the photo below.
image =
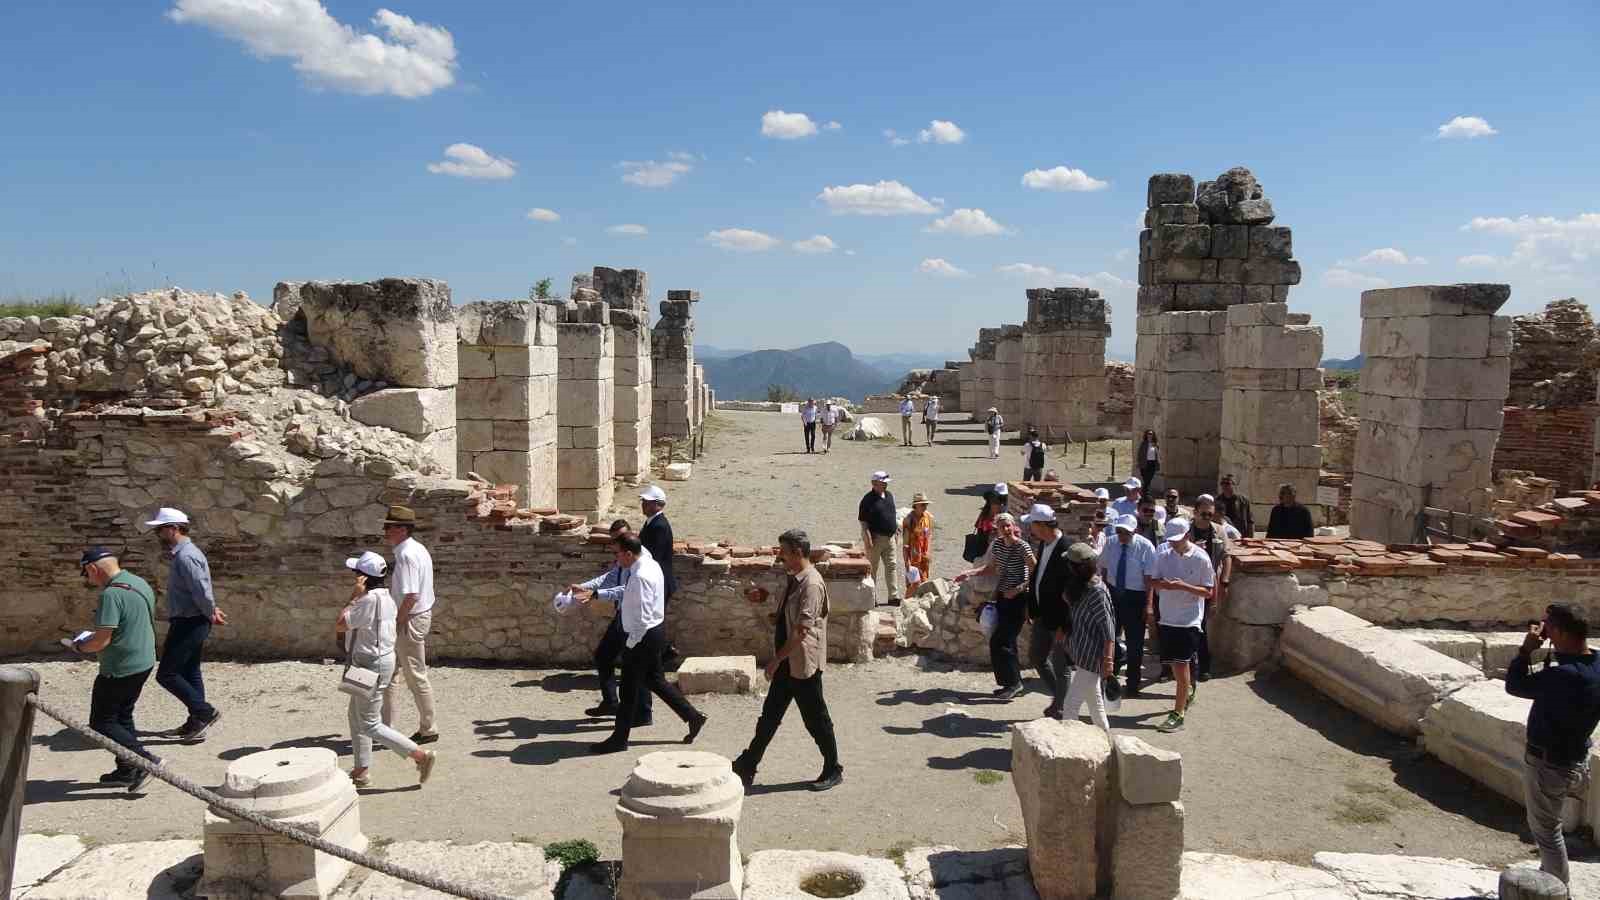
(179, 671)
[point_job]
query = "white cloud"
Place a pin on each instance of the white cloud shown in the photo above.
(685, 157)
(742, 240)
(1478, 259)
(936, 266)
(1392, 256)
(1028, 270)
(1062, 178)
(1122, 255)
(1466, 127)
(1345, 278)
(540, 214)
(817, 243)
(941, 132)
(472, 161)
(414, 59)
(832, 126)
(886, 198)
(1546, 243)
(570, 241)
(750, 159)
(786, 126)
(895, 140)
(630, 229)
(967, 222)
(654, 174)
(1103, 281)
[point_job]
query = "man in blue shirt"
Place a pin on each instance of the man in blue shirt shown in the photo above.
(191, 611)
(1125, 562)
(1566, 708)
(609, 588)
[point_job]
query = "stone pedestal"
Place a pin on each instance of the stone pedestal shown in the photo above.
(1271, 416)
(301, 787)
(506, 399)
(680, 828)
(1147, 858)
(1433, 385)
(1008, 375)
(1063, 363)
(1062, 774)
(626, 292)
(672, 355)
(585, 402)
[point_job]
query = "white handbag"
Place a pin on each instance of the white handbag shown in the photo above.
(356, 681)
(988, 619)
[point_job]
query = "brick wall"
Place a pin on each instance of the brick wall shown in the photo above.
(1554, 442)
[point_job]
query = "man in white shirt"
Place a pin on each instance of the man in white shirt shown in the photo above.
(907, 409)
(643, 611)
(1128, 503)
(1125, 563)
(808, 423)
(411, 582)
(930, 416)
(1183, 580)
(829, 418)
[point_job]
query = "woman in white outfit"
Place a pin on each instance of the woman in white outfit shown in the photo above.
(366, 627)
(1091, 642)
(994, 424)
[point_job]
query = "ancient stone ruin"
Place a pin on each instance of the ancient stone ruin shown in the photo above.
(1063, 361)
(672, 355)
(506, 398)
(1549, 424)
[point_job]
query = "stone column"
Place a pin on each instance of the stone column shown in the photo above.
(1008, 375)
(626, 292)
(1063, 362)
(1202, 251)
(697, 397)
(679, 811)
(1271, 417)
(966, 381)
(982, 354)
(398, 332)
(1433, 385)
(672, 357)
(585, 401)
(506, 400)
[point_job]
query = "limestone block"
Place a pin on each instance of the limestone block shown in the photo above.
(1170, 188)
(501, 398)
(1277, 417)
(584, 341)
(780, 874)
(520, 362)
(474, 361)
(1431, 336)
(677, 471)
(157, 870)
(474, 435)
(1237, 646)
(1435, 300)
(1182, 240)
(680, 816)
(1386, 678)
(717, 675)
(1216, 876)
(1499, 649)
(509, 434)
(579, 468)
(946, 873)
(40, 855)
(399, 330)
(1266, 599)
(1147, 860)
(1383, 875)
(1147, 774)
(852, 596)
(1463, 645)
(440, 446)
(414, 411)
(1271, 242)
(585, 404)
(1061, 772)
(516, 870)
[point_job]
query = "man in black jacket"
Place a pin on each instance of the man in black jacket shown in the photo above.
(656, 536)
(1566, 708)
(1235, 507)
(1047, 603)
(1289, 519)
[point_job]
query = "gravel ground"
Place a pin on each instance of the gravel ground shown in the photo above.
(1271, 769)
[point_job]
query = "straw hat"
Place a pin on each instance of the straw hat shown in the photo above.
(919, 498)
(400, 515)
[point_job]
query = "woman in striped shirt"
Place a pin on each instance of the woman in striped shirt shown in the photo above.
(1011, 561)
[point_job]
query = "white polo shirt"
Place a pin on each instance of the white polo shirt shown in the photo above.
(413, 574)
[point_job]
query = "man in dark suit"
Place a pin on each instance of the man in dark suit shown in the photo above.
(1047, 603)
(656, 536)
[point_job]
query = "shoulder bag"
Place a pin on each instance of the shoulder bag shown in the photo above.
(358, 681)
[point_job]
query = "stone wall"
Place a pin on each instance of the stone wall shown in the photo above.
(946, 383)
(1556, 442)
(1008, 375)
(1554, 355)
(983, 372)
(506, 397)
(1116, 410)
(1179, 384)
(1062, 378)
(1336, 431)
(1432, 387)
(1270, 413)
(626, 292)
(672, 358)
(585, 404)
(967, 375)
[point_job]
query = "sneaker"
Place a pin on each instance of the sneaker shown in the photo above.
(828, 780)
(604, 709)
(421, 738)
(1204, 676)
(425, 766)
(1052, 712)
(1014, 691)
(360, 781)
(138, 777)
(1173, 723)
(1194, 694)
(117, 776)
(195, 730)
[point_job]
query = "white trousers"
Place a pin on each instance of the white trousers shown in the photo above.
(994, 445)
(1084, 688)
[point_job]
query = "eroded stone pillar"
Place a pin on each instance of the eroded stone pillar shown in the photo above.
(585, 401)
(626, 292)
(672, 356)
(698, 397)
(1008, 375)
(982, 354)
(1433, 384)
(506, 399)
(1063, 362)
(1271, 417)
(679, 812)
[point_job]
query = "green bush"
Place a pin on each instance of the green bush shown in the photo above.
(577, 852)
(43, 307)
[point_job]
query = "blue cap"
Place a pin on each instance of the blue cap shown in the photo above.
(93, 554)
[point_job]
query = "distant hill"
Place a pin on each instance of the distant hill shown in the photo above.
(816, 370)
(1353, 362)
(896, 365)
(706, 351)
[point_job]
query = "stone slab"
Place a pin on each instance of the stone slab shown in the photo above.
(1382, 676)
(399, 330)
(778, 875)
(717, 675)
(1147, 774)
(1217, 876)
(1147, 860)
(512, 869)
(1379, 876)
(1061, 772)
(1266, 599)
(414, 411)
(946, 873)
(150, 870)
(41, 855)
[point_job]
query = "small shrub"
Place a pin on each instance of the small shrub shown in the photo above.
(43, 307)
(540, 290)
(986, 777)
(571, 853)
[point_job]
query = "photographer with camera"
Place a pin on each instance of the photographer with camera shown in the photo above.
(1566, 708)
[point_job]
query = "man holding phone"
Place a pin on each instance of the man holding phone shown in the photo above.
(1566, 708)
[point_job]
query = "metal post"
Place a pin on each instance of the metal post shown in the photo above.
(16, 738)
(1085, 455)
(1113, 475)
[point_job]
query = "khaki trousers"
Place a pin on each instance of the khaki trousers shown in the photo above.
(411, 659)
(881, 553)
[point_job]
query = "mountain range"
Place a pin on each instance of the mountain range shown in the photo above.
(1353, 362)
(815, 370)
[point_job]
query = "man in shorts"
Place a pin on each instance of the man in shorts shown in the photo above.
(1182, 581)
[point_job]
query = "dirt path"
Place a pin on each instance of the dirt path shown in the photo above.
(1270, 769)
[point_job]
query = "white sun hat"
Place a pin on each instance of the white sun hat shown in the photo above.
(653, 494)
(166, 515)
(368, 563)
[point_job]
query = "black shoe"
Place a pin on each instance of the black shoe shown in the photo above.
(608, 746)
(117, 776)
(1131, 692)
(1052, 712)
(999, 690)
(606, 708)
(1012, 692)
(138, 777)
(828, 780)
(747, 775)
(1205, 676)
(671, 655)
(420, 738)
(644, 723)
(894, 601)
(195, 729)
(694, 729)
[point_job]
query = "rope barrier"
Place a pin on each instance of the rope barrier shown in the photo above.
(235, 810)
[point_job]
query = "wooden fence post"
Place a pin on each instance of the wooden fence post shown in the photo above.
(16, 738)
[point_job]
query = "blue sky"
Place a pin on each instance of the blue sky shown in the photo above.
(229, 144)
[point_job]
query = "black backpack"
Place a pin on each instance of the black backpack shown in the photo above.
(1036, 458)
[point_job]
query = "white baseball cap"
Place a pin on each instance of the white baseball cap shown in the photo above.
(881, 475)
(1127, 523)
(368, 563)
(1102, 494)
(1133, 484)
(1001, 489)
(653, 494)
(1205, 498)
(1040, 513)
(166, 515)
(1177, 529)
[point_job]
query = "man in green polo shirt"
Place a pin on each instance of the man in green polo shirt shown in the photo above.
(124, 635)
